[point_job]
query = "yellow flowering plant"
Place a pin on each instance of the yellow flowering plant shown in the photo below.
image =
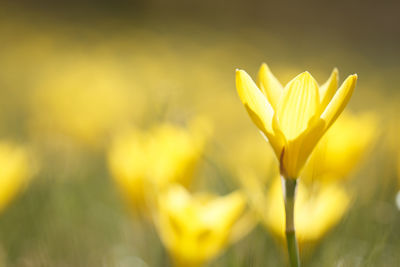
(293, 119)
(322, 198)
(196, 228)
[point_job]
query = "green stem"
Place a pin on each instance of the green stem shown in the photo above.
(289, 197)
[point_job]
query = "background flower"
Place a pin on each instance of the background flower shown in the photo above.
(15, 172)
(195, 229)
(143, 163)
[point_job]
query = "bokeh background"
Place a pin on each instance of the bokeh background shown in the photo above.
(74, 74)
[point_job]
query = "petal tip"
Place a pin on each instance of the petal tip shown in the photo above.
(305, 75)
(239, 73)
(353, 78)
(264, 67)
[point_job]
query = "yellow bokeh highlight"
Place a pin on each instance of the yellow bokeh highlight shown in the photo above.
(84, 99)
(15, 172)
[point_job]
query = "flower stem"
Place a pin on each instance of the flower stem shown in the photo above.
(289, 194)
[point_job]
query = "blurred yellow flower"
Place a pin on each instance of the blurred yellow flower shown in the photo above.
(14, 172)
(317, 209)
(341, 148)
(196, 228)
(295, 117)
(142, 163)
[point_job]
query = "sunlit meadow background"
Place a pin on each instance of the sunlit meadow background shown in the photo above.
(74, 74)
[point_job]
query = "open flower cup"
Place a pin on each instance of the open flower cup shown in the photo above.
(293, 118)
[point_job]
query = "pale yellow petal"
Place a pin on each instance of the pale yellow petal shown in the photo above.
(298, 150)
(342, 147)
(223, 211)
(328, 89)
(316, 211)
(298, 105)
(243, 226)
(257, 105)
(269, 85)
(15, 172)
(279, 140)
(339, 100)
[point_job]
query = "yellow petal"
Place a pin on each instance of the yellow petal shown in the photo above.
(196, 228)
(298, 150)
(328, 89)
(257, 105)
(339, 100)
(278, 141)
(342, 147)
(299, 103)
(269, 85)
(321, 211)
(15, 172)
(223, 211)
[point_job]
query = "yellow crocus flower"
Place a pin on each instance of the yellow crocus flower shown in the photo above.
(317, 208)
(143, 162)
(341, 148)
(196, 228)
(293, 118)
(14, 172)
